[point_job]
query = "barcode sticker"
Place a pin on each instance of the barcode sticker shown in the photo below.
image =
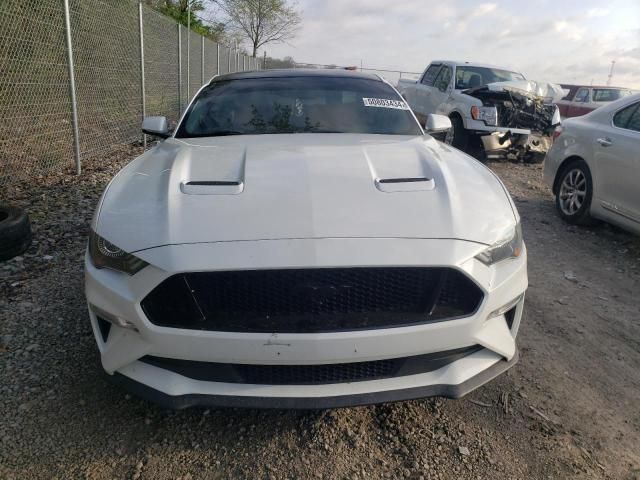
(385, 103)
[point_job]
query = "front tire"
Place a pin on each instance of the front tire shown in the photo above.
(457, 136)
(574, 193)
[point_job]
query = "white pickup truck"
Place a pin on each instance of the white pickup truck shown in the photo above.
(494, 111)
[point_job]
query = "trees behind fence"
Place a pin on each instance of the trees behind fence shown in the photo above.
(127, 60)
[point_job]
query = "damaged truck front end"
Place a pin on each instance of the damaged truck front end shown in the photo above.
(525, 118)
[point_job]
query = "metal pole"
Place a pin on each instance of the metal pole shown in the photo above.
(188, 50)
(264, 62)
(217, 59)
(202, 59)
(142, 86)
(229, 61)
(180, 67)
(72, 88)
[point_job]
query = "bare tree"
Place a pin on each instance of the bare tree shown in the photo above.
(262, 21)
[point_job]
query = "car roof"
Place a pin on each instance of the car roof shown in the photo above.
(473, 64)
(602, 113)
(571, 85)
(296, 73)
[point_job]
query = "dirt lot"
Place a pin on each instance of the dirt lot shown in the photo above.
(569, 410)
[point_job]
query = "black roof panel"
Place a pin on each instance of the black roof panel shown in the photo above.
(297, 72)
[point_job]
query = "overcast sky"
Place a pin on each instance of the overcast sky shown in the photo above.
(549, 40)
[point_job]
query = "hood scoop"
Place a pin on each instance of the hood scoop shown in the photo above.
(396, 170)
(214, 171)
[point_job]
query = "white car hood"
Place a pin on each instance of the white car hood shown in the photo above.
(549, 92)
(301, 186)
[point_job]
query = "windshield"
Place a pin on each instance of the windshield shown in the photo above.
(609, 94)
(471, 77)
(304, 104)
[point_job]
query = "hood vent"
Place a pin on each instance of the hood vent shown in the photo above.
(404, 180)
(405, 184)
(211, 187)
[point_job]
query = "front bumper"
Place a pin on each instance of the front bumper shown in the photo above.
(481, 128)
(119, 295)
(399, 393)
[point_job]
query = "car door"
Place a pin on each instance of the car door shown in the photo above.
(580, 103)
(617, 157)
(440, 91)
(419, 97)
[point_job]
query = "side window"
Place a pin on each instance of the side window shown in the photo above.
(582, 95)
(621, 119)
(430, 75)
(443, 79)
(569, 96)
(634, 121)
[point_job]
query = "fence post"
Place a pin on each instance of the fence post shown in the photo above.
(180, 68)
(142, 85)
(202, 59)
(217, 59)
(189, 52)
(72, 88)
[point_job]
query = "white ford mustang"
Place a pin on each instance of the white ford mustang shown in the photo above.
(299, 241)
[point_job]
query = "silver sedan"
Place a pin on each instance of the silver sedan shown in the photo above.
(593, 167)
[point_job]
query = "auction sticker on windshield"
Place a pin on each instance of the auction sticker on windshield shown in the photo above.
(385, 103)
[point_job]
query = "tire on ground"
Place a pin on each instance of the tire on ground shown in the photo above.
(581, 216)
(15, 232)
(460, 135)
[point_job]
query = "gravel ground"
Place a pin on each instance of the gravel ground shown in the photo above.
(568, 410)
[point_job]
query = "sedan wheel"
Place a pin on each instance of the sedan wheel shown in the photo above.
(573, 192)
(573, 197)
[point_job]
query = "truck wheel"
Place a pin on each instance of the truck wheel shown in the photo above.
(457, 136)
(15, 232)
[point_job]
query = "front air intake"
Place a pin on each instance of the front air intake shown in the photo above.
(311, 300)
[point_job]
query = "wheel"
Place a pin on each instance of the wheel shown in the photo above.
(457, 136)
(15, 232)
(574, 193)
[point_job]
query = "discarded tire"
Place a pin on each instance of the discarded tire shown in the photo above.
(15, 232)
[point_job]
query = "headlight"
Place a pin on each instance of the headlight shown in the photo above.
(511, 247)
(489, 115)
(106, 255)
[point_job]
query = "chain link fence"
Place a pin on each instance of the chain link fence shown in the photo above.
(128, 61)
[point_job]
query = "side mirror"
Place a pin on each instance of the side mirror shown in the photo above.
(437, 123)
(157, 126)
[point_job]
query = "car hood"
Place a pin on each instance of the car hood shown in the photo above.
(266, 187)
(547, 92)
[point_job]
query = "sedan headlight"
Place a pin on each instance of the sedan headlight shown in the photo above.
(106, 255)
(489, 115)
(510, 247)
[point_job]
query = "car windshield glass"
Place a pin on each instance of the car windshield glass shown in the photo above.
(471, 77)
(305, 104)
(608, 94)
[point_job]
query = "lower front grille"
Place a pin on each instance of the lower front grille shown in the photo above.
(309, 374)
(311, 300)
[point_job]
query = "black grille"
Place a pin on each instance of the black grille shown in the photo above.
(309, 374)
(311, 300)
